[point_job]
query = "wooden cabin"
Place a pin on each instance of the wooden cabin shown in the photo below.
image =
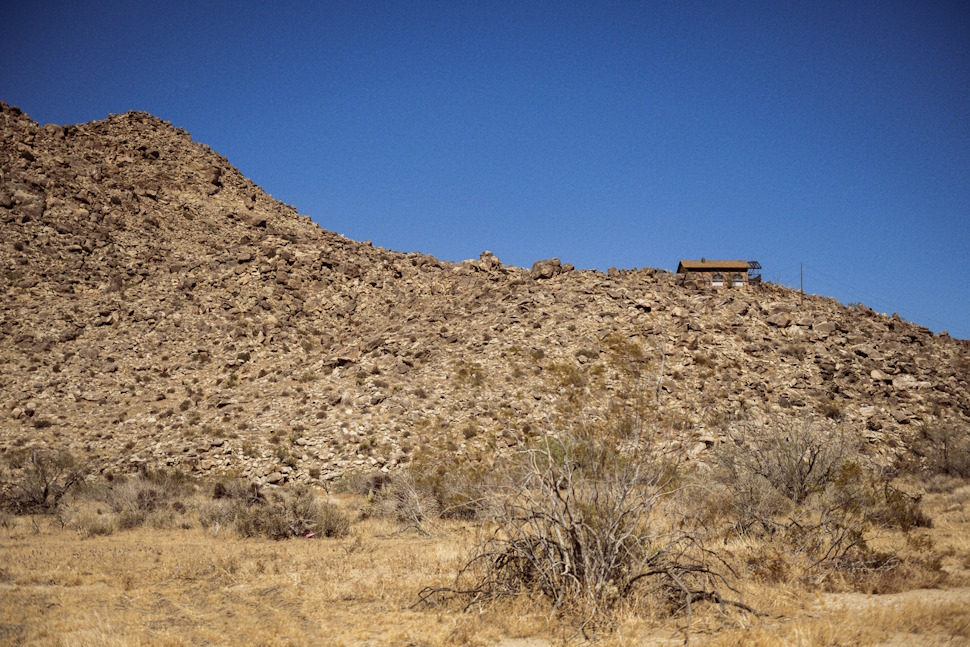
(720, 273)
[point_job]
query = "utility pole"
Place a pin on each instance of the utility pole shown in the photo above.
(801, 282)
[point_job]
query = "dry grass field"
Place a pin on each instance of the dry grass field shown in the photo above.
(179, 576)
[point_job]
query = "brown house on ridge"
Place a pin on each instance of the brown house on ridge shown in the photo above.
(720, 274)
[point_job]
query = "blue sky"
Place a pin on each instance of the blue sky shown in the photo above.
(830, 134)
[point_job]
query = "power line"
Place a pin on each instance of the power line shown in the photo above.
(888, 305)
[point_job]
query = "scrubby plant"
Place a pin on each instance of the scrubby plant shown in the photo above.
(832, 409)
(470, 374)
(796, 457)
(943, 448)
(428, 490)
(155, 496)
(807, 488)
(293, 512)
(96, 525)
(796, 350)
(36, 480)
(588, 528)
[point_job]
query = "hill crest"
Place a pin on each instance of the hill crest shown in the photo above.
(158, 308)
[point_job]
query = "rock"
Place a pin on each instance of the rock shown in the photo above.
(780, 320)
(488, 261)
(166, 300)
(546, 269)
(825, 328)
(904, 382)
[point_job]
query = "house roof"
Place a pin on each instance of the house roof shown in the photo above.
(706, 265)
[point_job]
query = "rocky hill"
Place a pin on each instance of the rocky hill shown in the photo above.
(159, 308)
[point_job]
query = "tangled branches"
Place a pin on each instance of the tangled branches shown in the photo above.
(583, 526)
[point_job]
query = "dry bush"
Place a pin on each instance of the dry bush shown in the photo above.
(429, 490)
(362, 483)
(796, 458)
(36, 480)
(942, 449)
(804, 487)
(92, 524)
(587, 528)
(280, 514)
(156, 497)
(405, 501)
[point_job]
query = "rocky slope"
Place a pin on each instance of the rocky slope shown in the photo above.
(159, 308)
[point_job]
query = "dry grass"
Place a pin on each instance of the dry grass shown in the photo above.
(189, 587)
(923, 617)
(164, 584)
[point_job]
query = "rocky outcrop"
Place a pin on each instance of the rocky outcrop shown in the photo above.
(159, 308)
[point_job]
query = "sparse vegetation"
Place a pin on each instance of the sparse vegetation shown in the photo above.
(36, 480)
(176, 321)
(426, 491)
(596, 539)
(293, 512)
(808, 488)
(590, 530)
(796, 350)
(942, 448)
(470, 374)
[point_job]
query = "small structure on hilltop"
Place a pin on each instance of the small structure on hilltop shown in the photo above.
(720, 274)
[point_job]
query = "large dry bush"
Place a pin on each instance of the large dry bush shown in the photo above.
(588, 528)
(942, 449)
(156, 496)
(806, 488)
(427, 490)
(36, 480)
(283, 513)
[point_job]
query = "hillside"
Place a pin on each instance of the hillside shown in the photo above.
(159, 308)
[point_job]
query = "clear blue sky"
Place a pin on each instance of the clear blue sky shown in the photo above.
(834, 134)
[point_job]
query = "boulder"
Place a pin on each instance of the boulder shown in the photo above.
(879, 376)
(780, 320)
(825, 328)
(546, 269)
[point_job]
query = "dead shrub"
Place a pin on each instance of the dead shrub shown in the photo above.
(362, 483)
(404, 501)
(429, 490)
(796, 458)
(150, 496)
(894, 507)
(888, 572)
(588, 529)
(808, 489)
(943, 449)
(278, 515)
(832, 409)
(234, 489)
(96, 525)
(35, 480)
